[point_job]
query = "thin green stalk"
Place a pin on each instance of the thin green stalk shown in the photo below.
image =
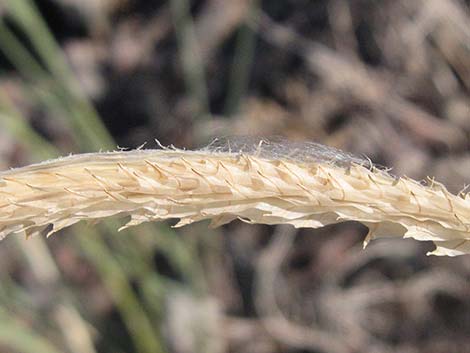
(142, 333)
(55, 96)
(28, 18)
(37, 254)
(17, 54)
(82, 113)
(241, 65)
(135, 318)
(183, 256)
(56, 88)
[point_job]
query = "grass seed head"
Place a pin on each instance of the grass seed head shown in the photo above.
(302, 184)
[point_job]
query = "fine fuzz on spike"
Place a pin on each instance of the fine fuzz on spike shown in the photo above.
(303, 184)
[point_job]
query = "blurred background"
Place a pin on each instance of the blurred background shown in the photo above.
(387, 79)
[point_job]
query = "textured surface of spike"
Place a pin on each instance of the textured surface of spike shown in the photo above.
(302, 184)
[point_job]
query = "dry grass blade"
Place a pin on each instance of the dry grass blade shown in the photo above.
(302, 184)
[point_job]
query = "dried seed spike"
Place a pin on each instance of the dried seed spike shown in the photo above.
(291, 183)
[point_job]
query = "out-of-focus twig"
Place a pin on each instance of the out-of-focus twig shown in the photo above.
(339, 15)
(217, 20)
(190, 57)
(274, 321)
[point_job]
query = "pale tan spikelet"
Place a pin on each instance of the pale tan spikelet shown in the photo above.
(305, 185)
